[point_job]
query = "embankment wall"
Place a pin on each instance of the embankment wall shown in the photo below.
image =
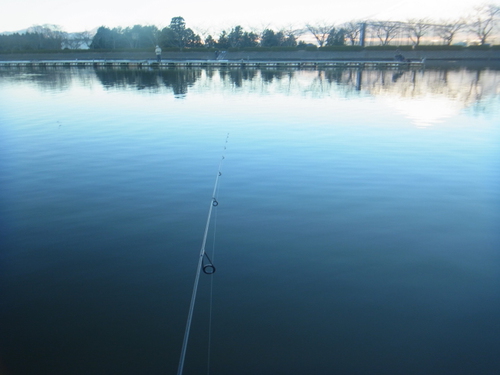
(492, 55)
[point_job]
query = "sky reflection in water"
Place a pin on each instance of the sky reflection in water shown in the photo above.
(357, 230)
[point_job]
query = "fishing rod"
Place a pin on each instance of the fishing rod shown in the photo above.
(207, 268)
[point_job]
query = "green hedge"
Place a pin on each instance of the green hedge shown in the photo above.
(387, 48)
(309, 48)
(341, 49)
(426, 47)
(263, 49)
(438, 48)
(479, 48)
(42, 51)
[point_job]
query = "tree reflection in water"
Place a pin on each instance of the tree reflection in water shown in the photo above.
(467, 86)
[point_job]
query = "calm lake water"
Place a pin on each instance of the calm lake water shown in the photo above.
(357, 230)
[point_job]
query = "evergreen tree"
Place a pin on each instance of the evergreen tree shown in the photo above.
(223, 41)
(249, 39)
(210, 42)
(103, 39)
(335, 37)
(177, 35)
(141, 36)
(290, 41)
(235, 37)
(268, 38)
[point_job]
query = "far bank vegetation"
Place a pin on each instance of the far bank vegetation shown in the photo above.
(480, 29)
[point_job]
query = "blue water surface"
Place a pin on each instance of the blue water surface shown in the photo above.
(357, 230)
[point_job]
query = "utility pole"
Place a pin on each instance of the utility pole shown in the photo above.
(362, 34)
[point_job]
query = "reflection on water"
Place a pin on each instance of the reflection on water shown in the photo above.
(426, 96)
(354, 234)
(468, 87)
(177, 80)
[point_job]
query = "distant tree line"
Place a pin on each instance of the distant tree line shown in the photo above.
(36, 38)
(46, 37)
(482, 24)
(177, 35)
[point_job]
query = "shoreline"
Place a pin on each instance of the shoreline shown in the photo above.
(432, 58)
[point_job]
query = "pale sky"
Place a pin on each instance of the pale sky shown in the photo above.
(215, 15)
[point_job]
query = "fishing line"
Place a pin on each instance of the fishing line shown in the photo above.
(210, 308)
(205, 264)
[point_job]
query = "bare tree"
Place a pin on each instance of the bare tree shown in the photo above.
(352, 31)
(202, 31)
(74, 40)
(70, 43)
(290, 30)
(47, 31)
(386, 31)
(483, 21)
(320, 31)
(291, 34)
(449, 29)
(259, 29)
(417, 28)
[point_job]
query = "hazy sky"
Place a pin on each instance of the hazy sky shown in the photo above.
(77, 15)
